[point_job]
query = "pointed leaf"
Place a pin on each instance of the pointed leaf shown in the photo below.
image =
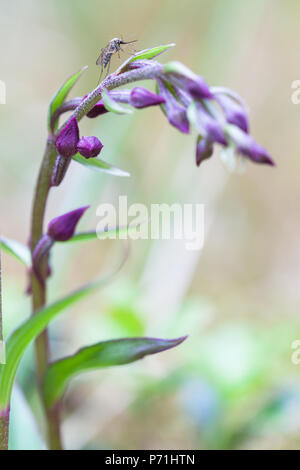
(16, 249)
(104, 354)
(61, 95)
(146, 54)
(112, 105)
(100, 165)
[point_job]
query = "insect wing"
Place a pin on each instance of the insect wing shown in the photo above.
(99, 61)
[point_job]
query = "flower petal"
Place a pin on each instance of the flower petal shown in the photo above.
(67, 140)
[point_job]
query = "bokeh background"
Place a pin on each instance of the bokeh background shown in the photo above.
(232, 384)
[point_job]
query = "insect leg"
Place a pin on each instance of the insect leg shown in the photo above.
(108, 68)
(100, 75)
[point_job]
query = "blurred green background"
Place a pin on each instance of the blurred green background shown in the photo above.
(232, 384)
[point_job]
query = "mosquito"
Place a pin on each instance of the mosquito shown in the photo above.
(113, 47)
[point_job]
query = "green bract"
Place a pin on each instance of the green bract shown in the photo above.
(60, 96)
(100, 165)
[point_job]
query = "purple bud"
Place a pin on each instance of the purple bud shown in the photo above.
(89, 147)
(209, 126)
(62, 228)
(247, 146)
(142, 98)
(255, 152)
(97, 110)
(182, 76)
(234, 112)
(67, 140)
(204, 150)
(176, 113)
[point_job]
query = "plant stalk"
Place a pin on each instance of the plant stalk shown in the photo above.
(39, 288)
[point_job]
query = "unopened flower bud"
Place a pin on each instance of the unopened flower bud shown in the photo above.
(208, 126)
(97, 110)
(175, 112)
(67, 140)
(246, 145)
(182, 76)
(204, 150)
(142, 98)
(234, 112)
(89, 147)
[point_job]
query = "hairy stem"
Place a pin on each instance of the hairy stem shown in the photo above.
(39, 288)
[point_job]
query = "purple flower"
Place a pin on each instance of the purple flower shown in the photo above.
(234, 112)
(183, 77)
(89, 147)
(142, 98)
(208, 126)
(246, 145)
(176, 113)
(204, 150)
(97, 110)
(62, 228)
(67, 140)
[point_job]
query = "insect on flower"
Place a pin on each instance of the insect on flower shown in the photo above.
(113, 47)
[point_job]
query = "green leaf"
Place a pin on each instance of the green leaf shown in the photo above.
(146, 54)
(100, 165)
(112, 105)
(18, 250)
(60, 96)
(105, 354)
(29, 330)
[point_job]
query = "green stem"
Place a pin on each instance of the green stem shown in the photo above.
(4, 415)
